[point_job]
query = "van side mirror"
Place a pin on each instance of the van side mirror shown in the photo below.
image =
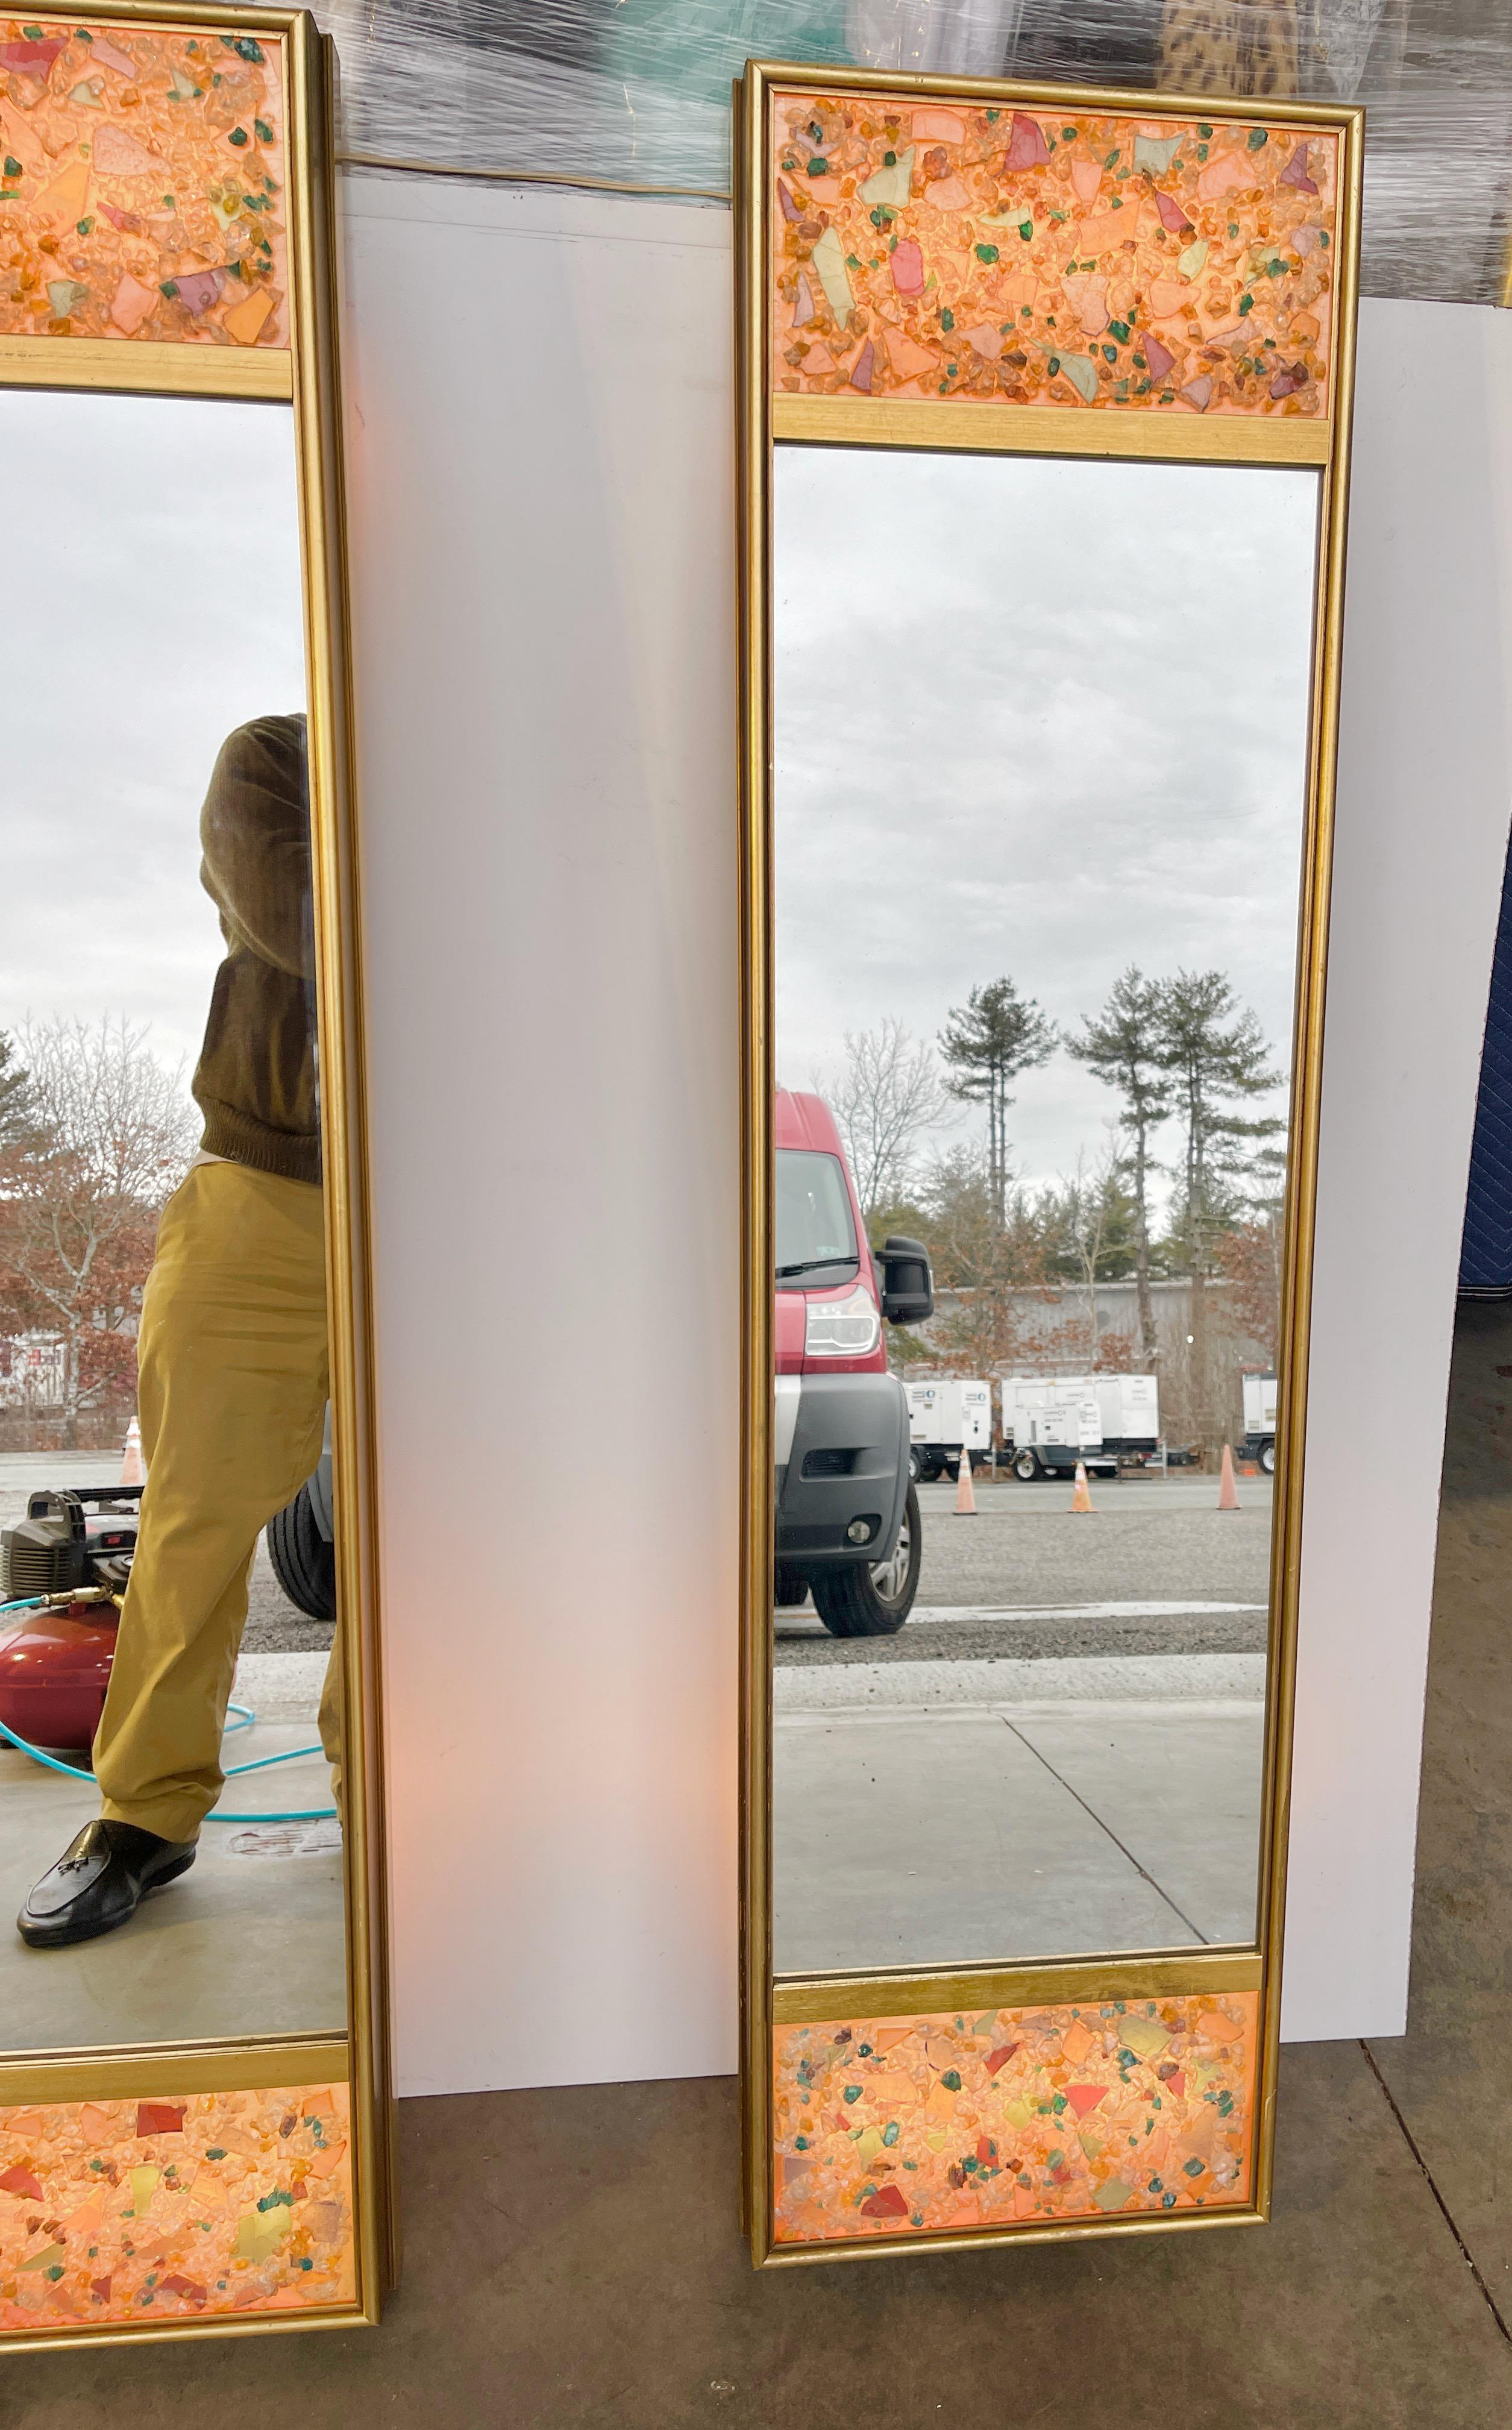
(907, 1285)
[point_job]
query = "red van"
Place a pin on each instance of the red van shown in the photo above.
(847, 1514)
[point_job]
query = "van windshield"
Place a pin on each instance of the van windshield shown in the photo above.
(814, 1225)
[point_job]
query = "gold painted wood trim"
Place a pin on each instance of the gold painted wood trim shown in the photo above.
(1104, 100)
(138, 366)
(318, 424)
(753, 543)
(1165, 1974)
(143, 2333)
(1303, 1145)
(175, 2069)
(191, 16)
(972, 2240)
(1174, 437)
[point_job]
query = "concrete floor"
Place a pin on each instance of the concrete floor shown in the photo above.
(936, 1804)
(913, 1837)
(571, 2260)
(252, 1940)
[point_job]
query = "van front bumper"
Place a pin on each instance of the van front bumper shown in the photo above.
(847, 1462)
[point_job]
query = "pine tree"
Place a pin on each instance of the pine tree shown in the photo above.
(15, 1097)
(987, 1043)
(1124, 1045)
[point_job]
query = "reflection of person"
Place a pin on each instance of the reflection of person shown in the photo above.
(231, 1357)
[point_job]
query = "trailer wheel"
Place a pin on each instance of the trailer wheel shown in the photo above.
(304, 1563)
(1268, 1457)
(873, 1598)
(916, 1466)
(1025, 1466)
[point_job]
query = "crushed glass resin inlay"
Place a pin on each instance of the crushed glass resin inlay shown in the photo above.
(899, 2125)
(1036, 257)
(156, 2211)
(142, 184)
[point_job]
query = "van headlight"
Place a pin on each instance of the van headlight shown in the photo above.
(841, 1328)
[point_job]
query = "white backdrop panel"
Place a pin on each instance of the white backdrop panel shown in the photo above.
(540, 429)
(540, 468)
(1426, 785)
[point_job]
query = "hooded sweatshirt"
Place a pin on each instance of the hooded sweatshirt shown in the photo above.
(255, 1080)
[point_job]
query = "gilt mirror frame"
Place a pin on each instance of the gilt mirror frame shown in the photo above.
(1088, 420)
(285, 354)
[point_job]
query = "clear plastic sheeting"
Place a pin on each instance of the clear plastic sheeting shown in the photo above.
(636, 93)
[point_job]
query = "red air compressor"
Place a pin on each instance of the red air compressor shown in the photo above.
(69, 1557)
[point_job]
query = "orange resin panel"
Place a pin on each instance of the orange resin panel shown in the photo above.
(153, 2211)
(142, 184)
(1036, 257)
(899, 2125)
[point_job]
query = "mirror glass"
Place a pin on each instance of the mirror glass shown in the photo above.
(164, 1486)
(1041, 757)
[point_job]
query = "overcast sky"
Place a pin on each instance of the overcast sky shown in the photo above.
(1034, 718)
(153, 603)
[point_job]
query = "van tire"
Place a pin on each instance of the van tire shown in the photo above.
(789, 1587)
(849, 1600)
(304, 1563)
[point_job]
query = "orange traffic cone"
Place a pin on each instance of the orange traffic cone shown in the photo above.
(1081, 1492)
(1228, 1492)
(132, 1471)
(965, 1495)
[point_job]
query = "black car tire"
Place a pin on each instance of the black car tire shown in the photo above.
(789, 1587)
(851, 1602)
(304, 1563)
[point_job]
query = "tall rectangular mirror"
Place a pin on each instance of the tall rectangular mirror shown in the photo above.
(192, 2047)
(1045, 406)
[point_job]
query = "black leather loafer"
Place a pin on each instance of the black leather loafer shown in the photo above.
(99, 1882)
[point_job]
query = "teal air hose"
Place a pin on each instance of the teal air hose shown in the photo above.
(247, 1718)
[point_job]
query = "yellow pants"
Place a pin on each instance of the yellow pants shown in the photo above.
(232, 1382)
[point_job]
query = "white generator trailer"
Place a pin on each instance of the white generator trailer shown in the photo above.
(1259, 1442)
(945, 1419)
(1051, 1422)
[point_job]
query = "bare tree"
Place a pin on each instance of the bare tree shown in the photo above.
(889, 1091)
(109, 1136)
(1089, 1211)
(1125, 1046)
(1219, 1062)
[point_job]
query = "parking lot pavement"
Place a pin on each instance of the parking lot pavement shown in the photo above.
(945, 1633)
(274, 1623)
(1142, 1539)
(22, 1472)
(1155, 1568)
(995, 1832)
